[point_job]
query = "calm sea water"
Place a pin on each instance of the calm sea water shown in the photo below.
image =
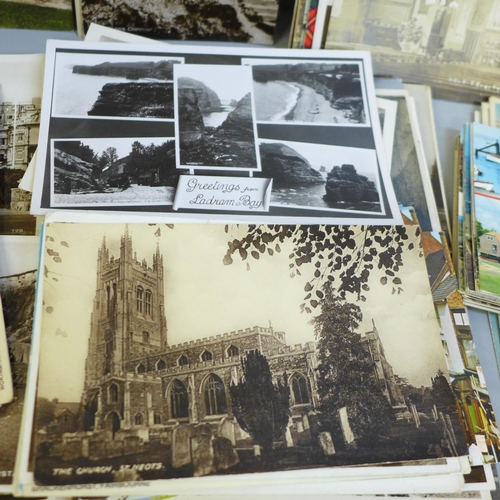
(75, 94)
(217, 118)
(274, 100)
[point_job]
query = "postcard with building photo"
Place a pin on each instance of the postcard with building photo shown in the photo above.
(113, 86)
(215, 117)
(249, 383)
(486, 204)
(451, 45)
(321, 175)
(113, 171)
(209, 20)
(21, 83)
(310, 92)
(17, 289)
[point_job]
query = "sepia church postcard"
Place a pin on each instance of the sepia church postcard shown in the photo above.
(181, 351)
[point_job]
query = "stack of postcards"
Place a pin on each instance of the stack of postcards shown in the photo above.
(477, 206)
(238, 289)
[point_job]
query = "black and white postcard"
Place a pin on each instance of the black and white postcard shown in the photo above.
(113, 86)
(214, 127)
(212, 20)
(18, 271)
(449, 44)
(312, 372)
(21, 84)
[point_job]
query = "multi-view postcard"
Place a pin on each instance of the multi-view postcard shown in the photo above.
(243, 134)
(21, 83)
(134, 389)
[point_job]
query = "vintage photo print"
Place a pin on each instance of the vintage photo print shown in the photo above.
(113, 85)
(18, 270)
(309, 92)
(215, 121)
(21, 83)
(322, 176)
(205, 20)
(451, 45)
(409, 173)
(113, 171)
(135, 387)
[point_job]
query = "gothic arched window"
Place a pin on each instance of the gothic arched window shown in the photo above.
(300, 393)
(141, 368)
(179, 402)
(147, 302)
(183, 360)
(113, 393)
(206, 356)
(215, 396)
(161, 365)
(232, 351)
(139, 296)
(138, 419)
(157, 418)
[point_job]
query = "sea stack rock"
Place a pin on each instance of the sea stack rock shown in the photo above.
(344, 184)
(286, 166)
(135, 99)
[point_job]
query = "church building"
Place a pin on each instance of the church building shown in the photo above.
(135, 380)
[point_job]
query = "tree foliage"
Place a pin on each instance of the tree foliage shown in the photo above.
(261, 408)
(346, 373)
(344, 255)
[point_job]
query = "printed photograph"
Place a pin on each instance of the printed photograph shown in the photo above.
(114, 171)
(406, 172)
(486, 164)
(243, 21)
(215, 117)
(113, 86)
(21, 83)
(18, 269)
(321, 176)
(314, 371)
(56, 15)
(449, 44)
(310, 92)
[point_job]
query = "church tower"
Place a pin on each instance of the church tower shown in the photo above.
(127, 321)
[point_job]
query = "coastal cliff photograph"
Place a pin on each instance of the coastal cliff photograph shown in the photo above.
(215, 117)
(317, 92)
(123, 171)
(215, 20)
(321, 176)
(114, 86)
